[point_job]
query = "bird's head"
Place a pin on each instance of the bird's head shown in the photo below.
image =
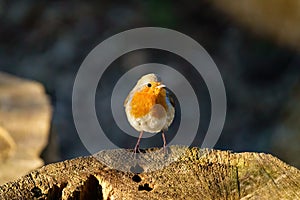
(151, 84)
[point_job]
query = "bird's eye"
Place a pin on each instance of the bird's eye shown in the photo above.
(149, 85)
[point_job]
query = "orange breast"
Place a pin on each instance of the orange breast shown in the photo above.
(161, 98)
(144, 100)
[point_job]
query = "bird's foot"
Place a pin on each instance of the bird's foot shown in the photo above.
(136, 150)
(164, 150)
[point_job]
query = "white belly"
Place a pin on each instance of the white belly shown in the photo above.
(153, 122)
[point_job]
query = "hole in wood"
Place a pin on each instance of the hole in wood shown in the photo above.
(145, 187)
(37, 192)
(91, 189)
(136, 178)
(56, 191)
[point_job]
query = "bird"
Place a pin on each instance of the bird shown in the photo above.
(150, 107)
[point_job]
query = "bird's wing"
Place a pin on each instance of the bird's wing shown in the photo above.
(171, 96)
(127, 98)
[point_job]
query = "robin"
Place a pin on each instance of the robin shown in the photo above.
(149, 107)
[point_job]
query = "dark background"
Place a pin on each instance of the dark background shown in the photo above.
(47, 41)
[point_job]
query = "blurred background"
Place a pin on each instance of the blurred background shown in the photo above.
(255, 45)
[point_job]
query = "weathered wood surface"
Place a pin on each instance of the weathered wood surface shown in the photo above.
(196, 174)
(25, 116)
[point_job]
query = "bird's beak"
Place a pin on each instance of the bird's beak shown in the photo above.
(160, 86)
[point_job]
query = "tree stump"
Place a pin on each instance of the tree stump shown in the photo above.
(195, 174)
(7, 145)
(25, 115)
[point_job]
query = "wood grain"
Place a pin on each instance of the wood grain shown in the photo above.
(196, 174)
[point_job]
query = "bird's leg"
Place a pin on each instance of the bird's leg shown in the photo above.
(164, 141)
(136, 148)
